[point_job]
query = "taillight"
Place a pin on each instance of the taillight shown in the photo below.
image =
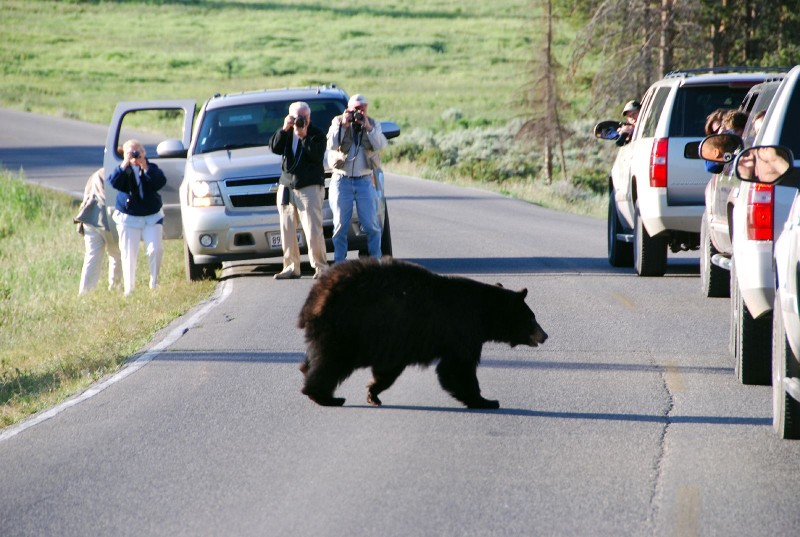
(658, 163)
(759, 212)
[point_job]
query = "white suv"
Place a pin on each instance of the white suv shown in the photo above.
(222, 177)
(656, 193)
(771, 163)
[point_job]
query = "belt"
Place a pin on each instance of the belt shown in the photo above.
(356, 176)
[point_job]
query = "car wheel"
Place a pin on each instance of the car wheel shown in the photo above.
(620, 253)
(386, 235)
(714, 280)
(753, 345)
(649, 253)
(785, 409)
(195, 272)
(734, 313)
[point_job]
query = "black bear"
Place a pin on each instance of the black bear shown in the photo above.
(388, 314)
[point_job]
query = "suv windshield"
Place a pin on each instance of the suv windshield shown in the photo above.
(693, 104)
(253, 125)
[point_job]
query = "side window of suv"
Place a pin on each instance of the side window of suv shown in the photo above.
(654, 112)
(790, 134)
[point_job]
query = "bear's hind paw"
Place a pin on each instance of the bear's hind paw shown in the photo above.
(487, 404)
(327, 401)
(373, 399)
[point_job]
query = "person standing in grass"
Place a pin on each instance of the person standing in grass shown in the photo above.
(98, 236)
(138, 212)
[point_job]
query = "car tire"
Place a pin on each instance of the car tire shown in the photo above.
(649, 253)
(620, 253)
(753, 345)
(386, 235)
(785, 409)
(714, 281)
(195, 272)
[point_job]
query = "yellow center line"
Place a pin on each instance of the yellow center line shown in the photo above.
(674, 378)
(625, 301)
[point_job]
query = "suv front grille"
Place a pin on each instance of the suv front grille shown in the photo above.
(253, 192)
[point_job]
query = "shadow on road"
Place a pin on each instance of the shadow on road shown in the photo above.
(589, 416)
(483, 265)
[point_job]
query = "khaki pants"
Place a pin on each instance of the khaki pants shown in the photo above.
(304, 209)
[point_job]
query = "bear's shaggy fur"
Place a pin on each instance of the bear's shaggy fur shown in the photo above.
(388, 314)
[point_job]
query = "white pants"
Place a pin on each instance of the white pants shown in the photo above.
(304, 208)
(132, 230)
(97, 241)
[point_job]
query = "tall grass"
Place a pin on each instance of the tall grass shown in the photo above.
(413, 58)
(431, 65)
(54, 343)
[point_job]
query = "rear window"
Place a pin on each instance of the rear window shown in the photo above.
(693, 104)
(253, 125)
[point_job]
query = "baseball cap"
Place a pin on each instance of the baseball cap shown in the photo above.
(630, 106)
(357, 100)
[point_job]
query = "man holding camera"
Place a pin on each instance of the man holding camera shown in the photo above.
(138, 212)
(354, 140)
(301, 190)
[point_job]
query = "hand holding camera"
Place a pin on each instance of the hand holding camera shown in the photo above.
(134, 156)
(357, 117)
(299, 123)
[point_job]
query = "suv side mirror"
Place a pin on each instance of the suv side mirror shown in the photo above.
(767, 164)
(171, 149)
(692, 150)
(390, 129)
(721, 148)
(607, 130)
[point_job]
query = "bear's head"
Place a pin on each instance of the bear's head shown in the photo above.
(522, 325)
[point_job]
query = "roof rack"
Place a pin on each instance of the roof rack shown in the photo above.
(727, 69)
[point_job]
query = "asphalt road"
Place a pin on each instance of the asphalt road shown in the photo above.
(628, 421)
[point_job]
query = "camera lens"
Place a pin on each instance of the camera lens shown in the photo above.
(135, 153)
(300, 122)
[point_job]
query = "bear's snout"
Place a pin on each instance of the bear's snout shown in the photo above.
(538, 337)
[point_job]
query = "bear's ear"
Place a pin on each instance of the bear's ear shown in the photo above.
(524, 292)
(500, 285)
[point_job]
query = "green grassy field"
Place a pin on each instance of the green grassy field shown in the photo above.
(415, 59)
(54, 343)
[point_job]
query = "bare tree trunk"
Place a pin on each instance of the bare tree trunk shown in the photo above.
(667, 35)
(549, 98)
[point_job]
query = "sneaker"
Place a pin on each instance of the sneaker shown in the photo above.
(318, 272)
(286, 275)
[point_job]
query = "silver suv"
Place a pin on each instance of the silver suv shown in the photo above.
(222, 178)
(655, 192)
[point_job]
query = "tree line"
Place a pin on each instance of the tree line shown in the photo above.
(635, 42)
(623, 46)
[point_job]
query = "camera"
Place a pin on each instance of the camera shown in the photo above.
(354, 116)
(135, 153)
(299, 122)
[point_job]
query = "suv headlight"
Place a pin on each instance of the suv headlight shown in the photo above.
(204, 194)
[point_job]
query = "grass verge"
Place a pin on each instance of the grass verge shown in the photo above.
(53, 343)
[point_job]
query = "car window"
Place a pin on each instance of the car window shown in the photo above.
(790, 134)
(253, 125)
(650, 122)
(693, 104)
(759, 105)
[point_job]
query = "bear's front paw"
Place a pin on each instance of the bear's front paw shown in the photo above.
(373, 399)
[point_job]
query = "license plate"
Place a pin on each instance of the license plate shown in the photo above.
(274, 239)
